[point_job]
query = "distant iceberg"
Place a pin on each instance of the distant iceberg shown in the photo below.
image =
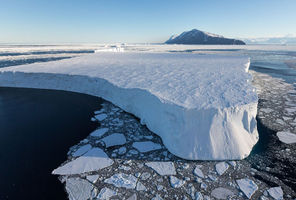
(202, 106)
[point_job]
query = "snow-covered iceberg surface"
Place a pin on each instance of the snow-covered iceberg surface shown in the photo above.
(202, 106)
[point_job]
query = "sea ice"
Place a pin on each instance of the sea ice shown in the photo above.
(286, 137)
(221, 167)
(93, 160)
(78, 189)
(99, 132)
(101, 117)
(146, 146)
(114, 139)
(175, 182)
(162, 168)
(122, 180)
(247, 186)
(197, 171)
(221, 193)
(193, 102)
(106, 194)
(82, 150)
(276, 193)
(92, 178)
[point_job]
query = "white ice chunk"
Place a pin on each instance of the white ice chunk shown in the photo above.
(78, 189)
(247, 186)
(221, 167)
(175, 182)
(197, 171)
(93, 160)
(101, 117)
(140, 187)
(92, 178)
(146, 146)
(162, 168)
(221, 193)
(276, 193)
(106, 194)
(202, 106)
(286, 137)
(133, 197)
(99, 132)
(82, 150)
(114, 139)
(198, 196)
(122, 180)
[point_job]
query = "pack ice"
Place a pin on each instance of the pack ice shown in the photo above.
(202, 106)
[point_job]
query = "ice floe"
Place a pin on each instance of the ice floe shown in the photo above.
(146, 146)
(82, 150)
(247, 186)
(221, 193)
(99, 132)
(197, 171)
(114, 139)
(106, 194)
(286, 137)
(176, 182)
(163, 168)
(221, 167)
(79, 189)
(276, 193)
(94, 159)
(122, 180)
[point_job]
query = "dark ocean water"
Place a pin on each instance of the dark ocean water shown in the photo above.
(37, 129)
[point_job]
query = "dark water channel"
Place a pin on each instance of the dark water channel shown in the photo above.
(37, 128)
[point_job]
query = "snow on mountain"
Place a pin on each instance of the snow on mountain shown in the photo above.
(200, 37)
(202, 106)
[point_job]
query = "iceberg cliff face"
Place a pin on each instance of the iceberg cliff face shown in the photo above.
(199, 37)
(202, 106)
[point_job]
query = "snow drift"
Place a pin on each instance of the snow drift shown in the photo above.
(202, 106)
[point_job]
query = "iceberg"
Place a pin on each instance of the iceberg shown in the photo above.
(202, 106)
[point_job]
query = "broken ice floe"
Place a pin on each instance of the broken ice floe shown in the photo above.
(123, 180)
(93, 160)
(106, 194)
(276, 193)
(286, 137)
(176, 182)
(162, 168)
(114, 140)
(99, 132)
(221, 167)
(247, 186)
(221, 193)
(146, 146)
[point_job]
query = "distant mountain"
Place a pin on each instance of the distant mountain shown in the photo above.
(199, 37)
(271, 40)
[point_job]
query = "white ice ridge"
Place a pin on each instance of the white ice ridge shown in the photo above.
(202, 106)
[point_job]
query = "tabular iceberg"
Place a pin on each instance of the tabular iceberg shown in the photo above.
(202, 106)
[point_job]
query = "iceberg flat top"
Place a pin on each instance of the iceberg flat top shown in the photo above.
(187, 80)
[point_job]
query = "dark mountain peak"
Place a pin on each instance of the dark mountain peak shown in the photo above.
(200, 37)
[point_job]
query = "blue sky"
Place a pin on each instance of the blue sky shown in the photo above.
(103, 21)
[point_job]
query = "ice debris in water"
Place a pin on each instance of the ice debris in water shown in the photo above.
(175, 182)
(146, 146)
(99, 132)
(276, 193)
(286, 137)
(82, 150)
(93, 160)
(247, 186)
(106, 194)
(114, 139)
(221, 167)
(221, 193)
(78, 189)
(122, 180)
(162, 168)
